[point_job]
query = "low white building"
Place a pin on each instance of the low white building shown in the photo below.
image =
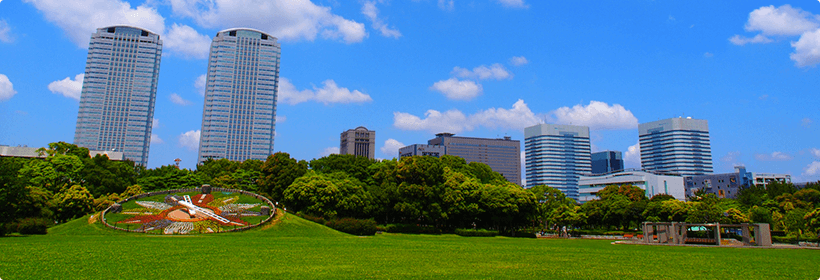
(652, 183)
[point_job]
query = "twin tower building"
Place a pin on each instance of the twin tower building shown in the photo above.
(120, 89)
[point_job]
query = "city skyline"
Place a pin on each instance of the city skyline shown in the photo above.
(483, 68)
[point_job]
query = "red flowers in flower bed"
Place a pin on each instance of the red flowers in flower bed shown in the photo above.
(142, 219)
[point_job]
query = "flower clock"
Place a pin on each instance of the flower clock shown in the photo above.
(189, 213)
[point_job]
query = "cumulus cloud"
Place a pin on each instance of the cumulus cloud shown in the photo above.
(176, 99)
(329, 151)
(286, 19)
(741, 40)
(68, 87)
(518, 117)
(815, 152)
(5, 32)
(731, 157)
(281, 119)
(775, 156)
(456, 89)
(513, 3)
(370, 10)
(812, 169)
(447, 5)
(807, 49)
(187, 42)
(190, 140)
(391, 147)
(329, 93)
(483, 72)
(783, 20)
(632, 157)
(806, 122)
(6, 88)
(596, 115)
(83, 17)
(518, 60)
(155, 139)
(200, 84)
(154, 123)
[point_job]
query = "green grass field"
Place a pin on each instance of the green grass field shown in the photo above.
(295, 248)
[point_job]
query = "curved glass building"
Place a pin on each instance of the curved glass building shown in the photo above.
(239, 115)
(119, 91)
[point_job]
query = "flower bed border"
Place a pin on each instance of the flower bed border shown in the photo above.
(166, 192)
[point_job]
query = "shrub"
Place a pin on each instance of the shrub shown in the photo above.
(411, 228)
(2, 229)
(476, 232)
(519, 233)
(353, 226)
(785, 239)
(318, 220)
(33, 226)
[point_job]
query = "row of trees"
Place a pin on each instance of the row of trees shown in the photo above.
(444, 193)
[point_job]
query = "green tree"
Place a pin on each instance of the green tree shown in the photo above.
(328, 196)
(73, 202)
(278, 172)
(548, 199)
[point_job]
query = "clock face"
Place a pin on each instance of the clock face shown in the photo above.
(197, 213)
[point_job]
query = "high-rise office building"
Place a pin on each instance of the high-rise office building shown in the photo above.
(556, 156)
(239, 115)
(679, 145)
(119, 91)
(359, 141)
(501, 155)
(607, 161)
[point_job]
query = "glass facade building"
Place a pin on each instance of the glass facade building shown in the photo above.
(607, 161)
(119, 91)
(556, 156)
(679, 145)
(239, 115)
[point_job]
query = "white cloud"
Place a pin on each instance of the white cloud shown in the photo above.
(82, 17)
(154, 123)
(281, 119)
(190, 140)
(812, 169)
(6, 88)
(447, 5)
(329, 93)
(632, 157)
(458, 90)
(783, 20)
(518, 60)
(434, 121)
(775, 156)
(513, 3)
(329, 151)
(68, 87)
(708, 54)
(391, 147)
(807, 49)
(815, 152)
(518, 117)
(370, 10)
(732, 157)
(176, 99)
(5, 32)
(741, 40)
(285, 19)
(495, 71)
(596, 115)
(200, 84)
(806, 122)
(187, 42)
(155, 139)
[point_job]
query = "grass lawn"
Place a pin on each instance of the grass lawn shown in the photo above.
(295, 248)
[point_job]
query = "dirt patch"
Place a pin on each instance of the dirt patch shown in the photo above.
(276, 219)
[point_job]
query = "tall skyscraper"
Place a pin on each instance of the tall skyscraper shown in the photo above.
(119, 90)
(239, 115)
(679, 145)
(501, 155)
(360, 142)
(556, 156)
(607, 161)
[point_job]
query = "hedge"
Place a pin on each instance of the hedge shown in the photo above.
(476, 232)
(33, 226)
(353, 226)
(411, 228)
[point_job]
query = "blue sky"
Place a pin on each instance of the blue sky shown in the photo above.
(410, 69)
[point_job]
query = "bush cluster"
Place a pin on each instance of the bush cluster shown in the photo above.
(33, 226)
(353, 226)
(476, 232)
(411, 228)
